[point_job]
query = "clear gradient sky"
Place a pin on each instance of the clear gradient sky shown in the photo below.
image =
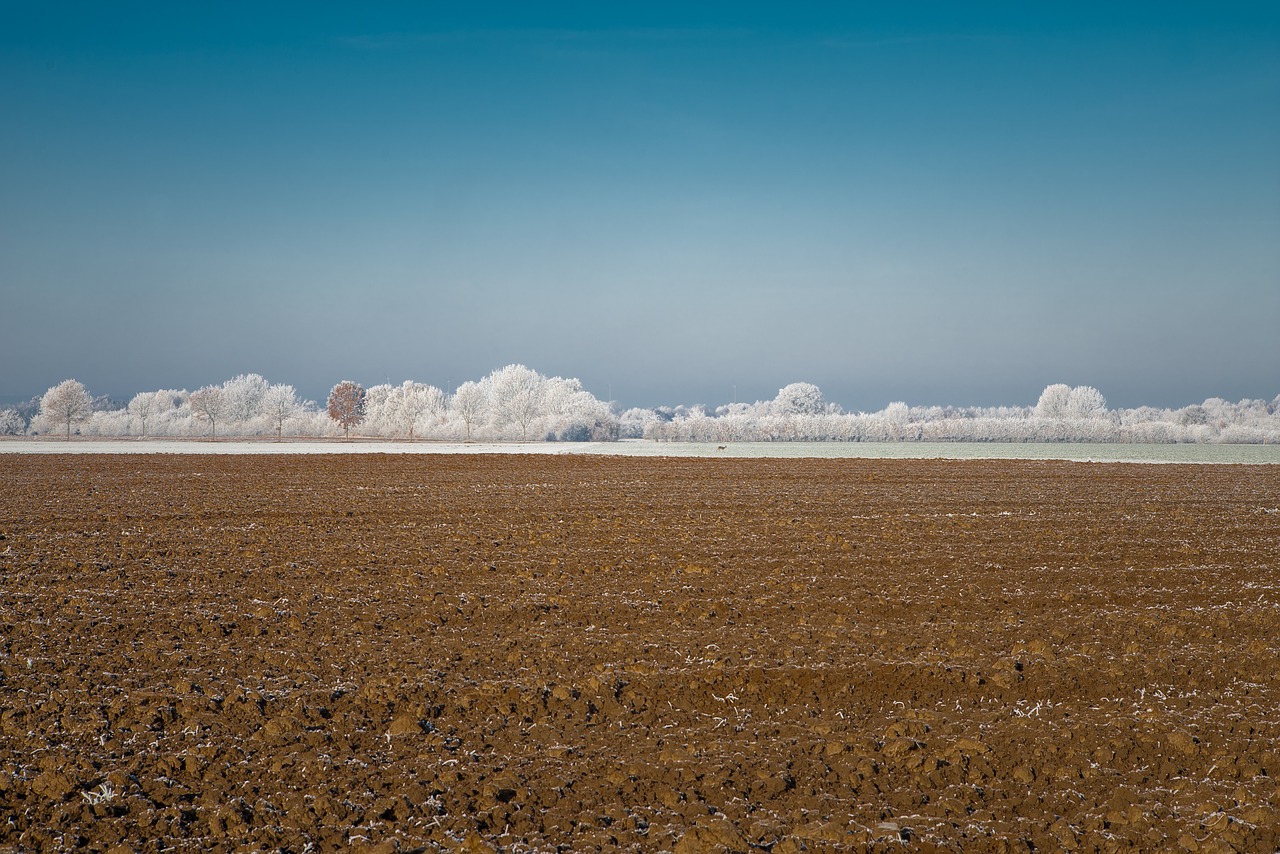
(950, 203)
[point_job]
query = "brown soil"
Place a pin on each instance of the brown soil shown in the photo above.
(577, 653)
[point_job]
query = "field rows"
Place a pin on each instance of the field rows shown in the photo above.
(582, 653)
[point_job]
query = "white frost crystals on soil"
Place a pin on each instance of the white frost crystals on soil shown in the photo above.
(1074, 452)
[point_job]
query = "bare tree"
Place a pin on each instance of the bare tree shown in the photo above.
(142, 407)
(346, 405)
(469, 403)
(210, 403)
(280, 404)
(410, 403)
(66, 403)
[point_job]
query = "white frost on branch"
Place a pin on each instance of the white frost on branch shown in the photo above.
(65, 405)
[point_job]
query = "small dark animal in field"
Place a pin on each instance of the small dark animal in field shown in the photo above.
(721, 447)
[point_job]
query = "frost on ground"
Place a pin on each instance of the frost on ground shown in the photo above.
(603, 653)
(1104, 452)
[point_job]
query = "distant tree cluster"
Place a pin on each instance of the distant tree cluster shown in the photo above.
(516, 403)
(244, 406)
(1062, 414)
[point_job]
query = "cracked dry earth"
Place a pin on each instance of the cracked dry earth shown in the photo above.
(602, 653)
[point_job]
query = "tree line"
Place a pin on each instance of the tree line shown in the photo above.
(1062, 414)
(516, 403)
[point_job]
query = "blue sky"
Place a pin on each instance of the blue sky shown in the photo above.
(940, 203)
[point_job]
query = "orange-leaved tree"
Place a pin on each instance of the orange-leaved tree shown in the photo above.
(346, 405)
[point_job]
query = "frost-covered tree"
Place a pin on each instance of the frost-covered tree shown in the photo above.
(346, 405)
(470, 405)
(410, 403)
(172, 408)
(1053, 401)
(798, 399)
(65, 404)
(143, 407)
(11, 423)
(244, 397)
(377, 419)
(633, 422)
(209, 404)
(573, 414)
(1060, 401)
(1192, 415)
(516, 396)
(281, 404)
(896, 417)
(1086, 402)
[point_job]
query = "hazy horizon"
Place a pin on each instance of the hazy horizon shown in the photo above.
(942, 204)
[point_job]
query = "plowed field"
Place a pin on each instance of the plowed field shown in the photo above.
(590, 653)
